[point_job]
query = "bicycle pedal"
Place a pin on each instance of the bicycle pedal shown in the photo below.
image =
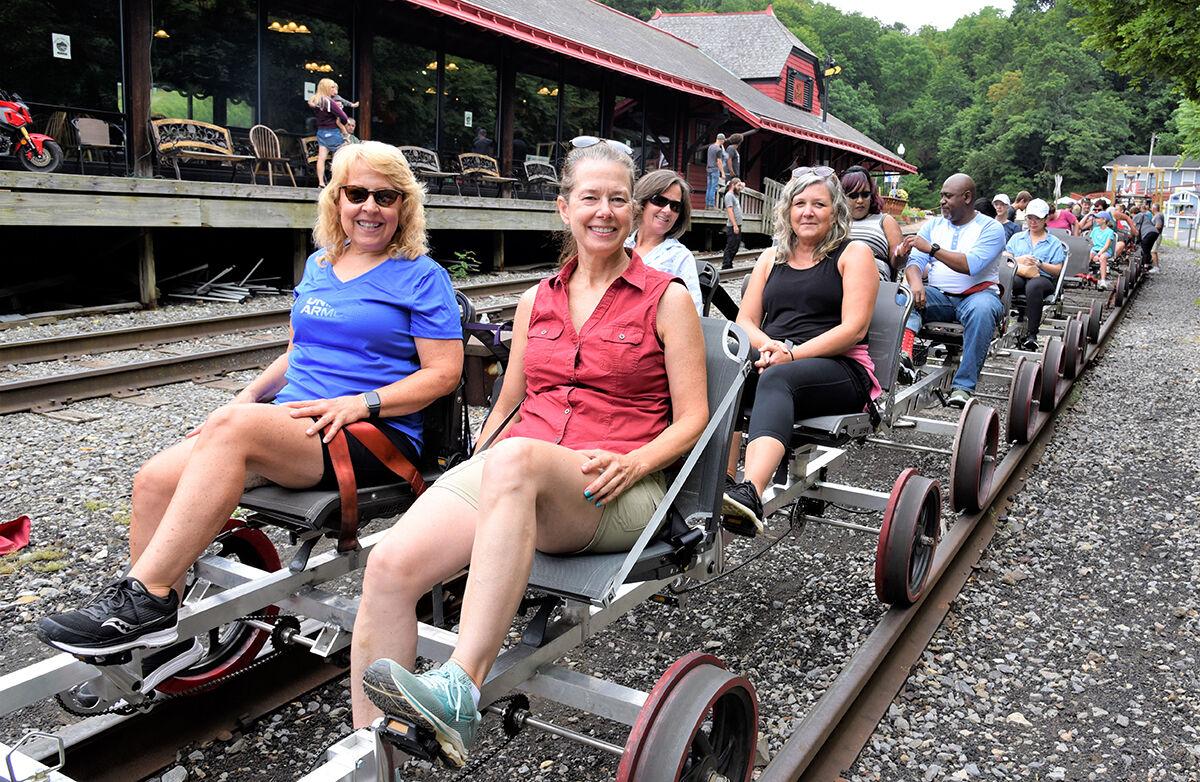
(412, 739)
(116, 658)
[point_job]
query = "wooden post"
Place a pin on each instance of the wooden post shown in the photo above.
(137, 85)
(364, 73)
(300, 253)
(147, 278)
(497, 251)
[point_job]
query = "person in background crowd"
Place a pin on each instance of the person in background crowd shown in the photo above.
(483, 145)
(985, 207)
(869, 224)
(1123, 224)
(733, 221)
(733, 155)
(376, 337)
(1039, 257)
(1018, 206)
(1087, 222)
(616, 345)
(807, 307)
(1159, 225)
(329, 133)
(1001, 204)
(715, 169)
(1143, 219)
(1104, 239)
(664, 213)
(963, 279)
(1064, 219)
(348, 131)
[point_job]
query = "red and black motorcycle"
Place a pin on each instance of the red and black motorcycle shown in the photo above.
(36, 151)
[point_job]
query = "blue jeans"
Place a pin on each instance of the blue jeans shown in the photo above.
(710, 192)
(979, 314)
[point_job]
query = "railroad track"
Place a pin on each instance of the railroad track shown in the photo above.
(53, 391)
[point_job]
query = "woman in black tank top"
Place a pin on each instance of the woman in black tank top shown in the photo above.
(807, 308)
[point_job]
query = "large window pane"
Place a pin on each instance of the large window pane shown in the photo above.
(404, 101)
(294, 61)
(535, 114)
(203, 61)
(627, 127)
(87, 33)
(469, 105)
(581, 112)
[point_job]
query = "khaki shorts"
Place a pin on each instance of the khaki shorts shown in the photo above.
(621, 522)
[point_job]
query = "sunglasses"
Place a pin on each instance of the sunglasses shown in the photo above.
(583, 142)
(662, 202)
(861, 194)
(383, 197)
(821, 171)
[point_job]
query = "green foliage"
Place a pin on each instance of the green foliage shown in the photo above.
(465, 264)
(1146, 37)
(1187, 120)
(921, 193)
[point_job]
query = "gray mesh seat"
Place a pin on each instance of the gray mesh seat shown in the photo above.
(693, 496)
(1079, 251)
(951, 332)
(893, 303)
(710, 280)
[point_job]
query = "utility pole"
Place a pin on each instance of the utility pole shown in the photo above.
(1150, 157)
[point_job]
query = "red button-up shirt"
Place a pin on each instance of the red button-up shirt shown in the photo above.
(605, 386)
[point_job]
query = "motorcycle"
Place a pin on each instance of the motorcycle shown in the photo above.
(36, 151)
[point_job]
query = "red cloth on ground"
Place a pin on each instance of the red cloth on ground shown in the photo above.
(14, 535)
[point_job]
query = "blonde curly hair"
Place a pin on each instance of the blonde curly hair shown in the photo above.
(410, 240)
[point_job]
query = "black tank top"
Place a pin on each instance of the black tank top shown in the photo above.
(800, 304)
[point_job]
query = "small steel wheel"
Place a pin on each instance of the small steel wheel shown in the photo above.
(908, 539)
(1052, 358)
(1095, 318)
(1119, 290)
(1023, 401)
(1073, 344)
(233, 646)
(973, 459)
(699, 723)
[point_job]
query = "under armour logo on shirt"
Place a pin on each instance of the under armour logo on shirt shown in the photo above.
(318, 308)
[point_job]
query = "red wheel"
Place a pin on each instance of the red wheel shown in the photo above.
(230, 647)
(1023, 401)
(700, 722)
(1119, 290)
(907, 539)
(1073, 345)
(1095, 318)
(1052, 358)
(973, 459)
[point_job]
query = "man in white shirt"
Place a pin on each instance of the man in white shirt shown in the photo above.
(960, 252)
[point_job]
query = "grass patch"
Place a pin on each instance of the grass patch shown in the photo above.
(121, 517)
(91, 506)
(39, 560)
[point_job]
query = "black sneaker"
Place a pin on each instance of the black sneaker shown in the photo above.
(742, 510)
(920, 354)
(906, 373)
(124, 616)
(1030, 344)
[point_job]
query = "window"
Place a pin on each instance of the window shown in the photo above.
(203, 63)
(404, 99)
(294, 61)
(799, 89)
(535, 116)
(89, 31)
(468, 107)
(1189, 176)
(581, 112)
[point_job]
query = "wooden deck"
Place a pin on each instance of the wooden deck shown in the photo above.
(69, 200)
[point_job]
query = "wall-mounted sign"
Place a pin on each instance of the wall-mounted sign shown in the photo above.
(60, 44)
(310, 89)
(468, 119)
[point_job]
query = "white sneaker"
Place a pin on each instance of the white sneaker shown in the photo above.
(1154, 270)
(1102, 285)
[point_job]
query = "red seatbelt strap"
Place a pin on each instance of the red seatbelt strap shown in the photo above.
(382, 449)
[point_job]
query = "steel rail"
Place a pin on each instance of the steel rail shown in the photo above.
(842, 721)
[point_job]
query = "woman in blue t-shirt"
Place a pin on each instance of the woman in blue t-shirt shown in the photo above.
(376, 334)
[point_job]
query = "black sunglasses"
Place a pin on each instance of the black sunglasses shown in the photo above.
(858, 195)
(662, 202)
(383, 197)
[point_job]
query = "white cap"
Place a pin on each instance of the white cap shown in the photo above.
(1037, 208)
(720, 136)
(1001, 197)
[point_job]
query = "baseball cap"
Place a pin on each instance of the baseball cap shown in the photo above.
(1038, 208)
(1105, 216)
(720, 136)
(1001, 197)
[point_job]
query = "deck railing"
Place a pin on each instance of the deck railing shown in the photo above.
(770, 197)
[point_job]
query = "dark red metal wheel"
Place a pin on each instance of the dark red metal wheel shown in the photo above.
(231, 647)
(700, 722)
(1119, 290)
(907, 539)
(1052, 357)
(973, 459)
(1095, 319)
(1073, 345)
(1023, 401)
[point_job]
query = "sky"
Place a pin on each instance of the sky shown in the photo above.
(916, 13)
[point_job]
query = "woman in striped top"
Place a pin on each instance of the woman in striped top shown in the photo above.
(869, 224)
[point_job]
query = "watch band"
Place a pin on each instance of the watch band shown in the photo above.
(933, 248)
(373, 403)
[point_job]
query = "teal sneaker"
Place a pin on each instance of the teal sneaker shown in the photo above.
(441, 698)
(959, 397)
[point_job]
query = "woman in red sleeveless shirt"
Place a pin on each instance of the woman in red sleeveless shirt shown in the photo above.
(607, 367)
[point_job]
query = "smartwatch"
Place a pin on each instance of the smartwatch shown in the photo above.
(933, 248)
(373, 403)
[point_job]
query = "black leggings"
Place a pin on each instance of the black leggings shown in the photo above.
(1147, 242)
(802, 389)
(1035, 290)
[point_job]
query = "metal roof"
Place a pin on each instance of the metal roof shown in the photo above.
(589, 31)
(751, 44)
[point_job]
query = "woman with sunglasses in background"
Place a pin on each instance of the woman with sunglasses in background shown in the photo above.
(375, 334)
(869, 224)
(607, 381)
(663, 213)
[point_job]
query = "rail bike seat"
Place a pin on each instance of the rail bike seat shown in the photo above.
(951, 332)
(710, 280)
(687, 521)
(893, 303)
(1079, 252)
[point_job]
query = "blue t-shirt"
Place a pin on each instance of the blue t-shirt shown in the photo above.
(1050, 250)
(357, 336)
(1103, 236)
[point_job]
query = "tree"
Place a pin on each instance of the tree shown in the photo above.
(1142, 37)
